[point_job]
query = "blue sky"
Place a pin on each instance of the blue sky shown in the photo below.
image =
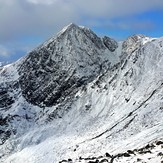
(24, 24)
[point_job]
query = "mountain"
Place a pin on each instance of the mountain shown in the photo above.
(82, 98)
(62, 64)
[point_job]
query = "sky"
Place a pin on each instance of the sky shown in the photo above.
(24, 24)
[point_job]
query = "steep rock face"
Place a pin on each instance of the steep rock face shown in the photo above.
(133, 43)
(62, 64)
(110, 43)
(9, 94)
(9, 86)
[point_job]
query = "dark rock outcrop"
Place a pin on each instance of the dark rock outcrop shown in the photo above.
(110, 43)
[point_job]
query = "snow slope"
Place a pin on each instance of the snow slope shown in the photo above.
(118, 108)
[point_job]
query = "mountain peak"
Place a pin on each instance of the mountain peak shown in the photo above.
(76, 55)
(71, 25)
(68, 28)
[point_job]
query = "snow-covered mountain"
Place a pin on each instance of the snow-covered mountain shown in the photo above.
(82, 98)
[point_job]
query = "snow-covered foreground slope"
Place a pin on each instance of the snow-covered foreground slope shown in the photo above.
(114, 114)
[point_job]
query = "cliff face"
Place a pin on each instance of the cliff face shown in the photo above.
(81, 95)
(62, 64)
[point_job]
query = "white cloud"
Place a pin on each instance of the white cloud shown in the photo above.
(48, 2)
(20, 18)
(30, 17)
(25, 18)
(114, 8)
(4, 52)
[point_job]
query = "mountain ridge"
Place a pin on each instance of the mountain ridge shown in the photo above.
(79, 95)
(70, 52)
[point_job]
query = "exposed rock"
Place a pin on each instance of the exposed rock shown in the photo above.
(62, 64)
(110, 43)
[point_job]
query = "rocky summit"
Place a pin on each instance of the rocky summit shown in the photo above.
(82, 98)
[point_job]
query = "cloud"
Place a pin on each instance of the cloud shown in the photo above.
(132, 24)
(114, 8)
(14, 52)
(47, 2)
(35, 17)
(4, 52)
(32, 18)
(24, 18)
